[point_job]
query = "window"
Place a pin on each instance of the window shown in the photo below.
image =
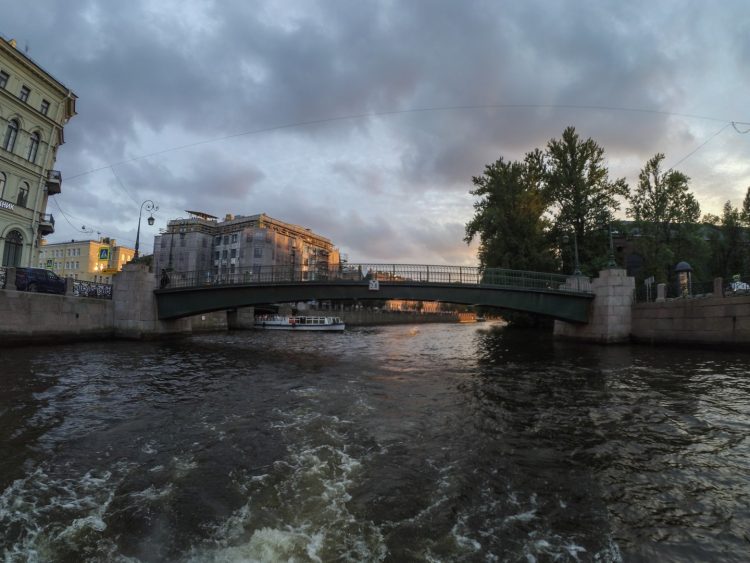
(23, 195)
(217, 240)
(13, 249)
(2, 185)
(24, 94)
(10, 135)
(68, 251)
(78, 265)
(226, 239)
(258, 252)
(3, 78)
(233, 253)
(44, 108)
(224, 253)
(217, 255)
(234, 237)
(33, 147)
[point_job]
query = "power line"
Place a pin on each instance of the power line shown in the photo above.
(699, 147)
(357, 116)
(127, 192)
(77, 229)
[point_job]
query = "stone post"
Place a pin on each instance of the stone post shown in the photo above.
(69, 286)
(610, 315)
(10, 279)
(135, 313)
(661, 292)
(718, 287)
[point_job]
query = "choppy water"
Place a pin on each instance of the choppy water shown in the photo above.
(409, 443)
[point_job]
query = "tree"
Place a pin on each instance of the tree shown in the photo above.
(729, 250)
(727, 242)
(582, 197)
(508, 217)
(746, 209)
(666, 214)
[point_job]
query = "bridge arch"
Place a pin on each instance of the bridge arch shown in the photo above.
(571, 306)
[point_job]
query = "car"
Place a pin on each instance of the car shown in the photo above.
(39, 280)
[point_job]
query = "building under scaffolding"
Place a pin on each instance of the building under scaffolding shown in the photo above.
(202, 243)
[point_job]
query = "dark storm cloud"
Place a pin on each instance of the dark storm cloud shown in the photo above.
(150, 73)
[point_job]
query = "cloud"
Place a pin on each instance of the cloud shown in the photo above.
(368, 111)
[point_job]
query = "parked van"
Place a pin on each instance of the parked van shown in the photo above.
(39, 280)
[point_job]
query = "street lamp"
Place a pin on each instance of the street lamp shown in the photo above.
(150, 207)
(566, 239)
(611, 263)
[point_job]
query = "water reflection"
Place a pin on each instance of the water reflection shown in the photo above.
(429, 442)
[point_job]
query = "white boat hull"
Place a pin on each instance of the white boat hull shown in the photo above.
(316, 324)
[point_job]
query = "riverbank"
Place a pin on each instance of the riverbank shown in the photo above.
(35, 318)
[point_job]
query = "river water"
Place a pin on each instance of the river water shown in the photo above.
(404, 443)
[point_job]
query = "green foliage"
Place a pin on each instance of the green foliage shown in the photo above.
(582, 197)
(666, 213)
(746, 209)
(508, 216)
(727, 243)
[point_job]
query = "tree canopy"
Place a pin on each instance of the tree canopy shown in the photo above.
(525, 208)
(666, 215)
(508, 217)
(583, 198)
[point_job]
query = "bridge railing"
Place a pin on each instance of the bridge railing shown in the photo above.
(391, 273)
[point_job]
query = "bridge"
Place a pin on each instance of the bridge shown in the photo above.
(552, 295)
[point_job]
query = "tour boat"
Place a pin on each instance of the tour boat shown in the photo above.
(276, 322)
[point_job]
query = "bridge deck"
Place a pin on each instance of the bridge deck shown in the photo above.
(551, 295)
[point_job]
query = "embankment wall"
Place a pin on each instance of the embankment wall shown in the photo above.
(698, 320)
(37, 317)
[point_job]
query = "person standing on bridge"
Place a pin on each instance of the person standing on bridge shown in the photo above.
(164, 281)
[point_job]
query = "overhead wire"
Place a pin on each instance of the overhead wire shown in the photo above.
(699, 147)
(122, 186)
(357, 116)
(350, 117)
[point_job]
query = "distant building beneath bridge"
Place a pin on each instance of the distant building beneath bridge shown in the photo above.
(202, 243)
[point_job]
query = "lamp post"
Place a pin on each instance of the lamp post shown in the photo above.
(577, 266)
(150, 207)
(611, 263)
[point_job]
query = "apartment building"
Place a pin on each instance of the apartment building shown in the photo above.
(201, 243)
(34, 108)
(88, 260)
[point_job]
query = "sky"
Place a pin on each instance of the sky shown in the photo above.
(365, 121)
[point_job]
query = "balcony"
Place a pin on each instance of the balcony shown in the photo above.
(54, 182)
(46, 224)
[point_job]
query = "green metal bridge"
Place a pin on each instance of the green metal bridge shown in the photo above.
(553, 295)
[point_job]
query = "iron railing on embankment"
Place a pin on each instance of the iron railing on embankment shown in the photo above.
(97, 290)
(81, 288)
(390, 273)
(738, 286)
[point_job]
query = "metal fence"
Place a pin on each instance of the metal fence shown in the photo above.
(3, 275)
(391, 273)
(83, 288)
(675, 290)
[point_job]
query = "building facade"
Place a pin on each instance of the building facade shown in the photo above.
(241, 245)
(34, 108)
(88, 260)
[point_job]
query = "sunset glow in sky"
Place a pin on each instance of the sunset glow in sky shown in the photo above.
(365, 120)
